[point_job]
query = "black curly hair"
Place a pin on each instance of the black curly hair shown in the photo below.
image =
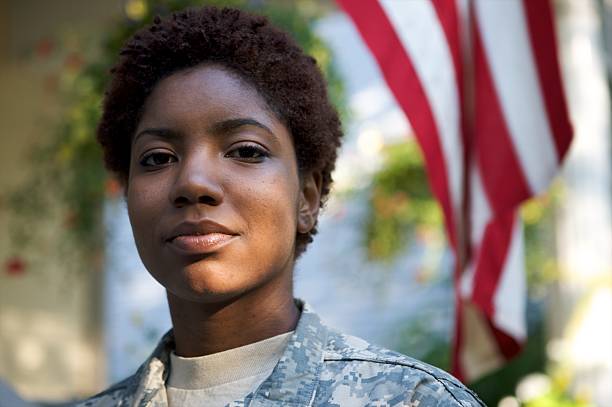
(246, 44)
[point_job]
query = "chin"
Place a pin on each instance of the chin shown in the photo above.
(205, 285)
(204, 293)
(204, 296)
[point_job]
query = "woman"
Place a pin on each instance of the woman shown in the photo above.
(222, 133)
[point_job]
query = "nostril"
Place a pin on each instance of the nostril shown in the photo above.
(181, 201)
(202, 199)
(207, 200)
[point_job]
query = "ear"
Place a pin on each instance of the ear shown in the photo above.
(310, 197)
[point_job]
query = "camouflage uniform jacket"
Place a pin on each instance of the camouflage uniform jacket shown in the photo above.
(319, 367)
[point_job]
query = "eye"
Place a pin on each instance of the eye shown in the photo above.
(157, 159)
(251, 153)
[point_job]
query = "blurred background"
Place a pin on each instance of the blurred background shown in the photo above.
(78, 311)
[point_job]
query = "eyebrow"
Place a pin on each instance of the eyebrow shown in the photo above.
(221, 127)
(159, 132)
(226, 126)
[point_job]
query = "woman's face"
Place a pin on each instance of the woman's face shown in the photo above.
(214, 196)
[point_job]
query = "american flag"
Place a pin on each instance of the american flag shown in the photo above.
(480, 84)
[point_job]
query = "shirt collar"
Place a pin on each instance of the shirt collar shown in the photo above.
(292, 382)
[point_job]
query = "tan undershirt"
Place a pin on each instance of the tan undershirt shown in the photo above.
(220, 378)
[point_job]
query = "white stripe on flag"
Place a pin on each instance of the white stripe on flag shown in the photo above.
(480, 352)
(419, 30)
(508, 48)
(510, 296)
(480, 215)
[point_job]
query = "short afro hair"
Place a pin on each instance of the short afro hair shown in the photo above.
(246, 44)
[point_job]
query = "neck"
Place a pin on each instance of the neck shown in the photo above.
(204, 328)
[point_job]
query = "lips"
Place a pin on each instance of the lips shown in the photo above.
(202, 237)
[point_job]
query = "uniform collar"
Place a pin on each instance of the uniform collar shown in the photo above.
(292, 382)
(150, 387)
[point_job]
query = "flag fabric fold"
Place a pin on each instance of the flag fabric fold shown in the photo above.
(479, 82)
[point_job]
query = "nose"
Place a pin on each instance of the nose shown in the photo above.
(197, 183)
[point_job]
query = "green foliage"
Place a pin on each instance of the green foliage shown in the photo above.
(538, 217)
(67, 177)
(416, 339)
(557, 398)
(401, 206)
(399, 202)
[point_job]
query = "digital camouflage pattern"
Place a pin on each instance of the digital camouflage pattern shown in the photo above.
(320, 367)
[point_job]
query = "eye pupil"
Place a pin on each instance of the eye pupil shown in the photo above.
(157, 159)
(160, 159)
(248, 152)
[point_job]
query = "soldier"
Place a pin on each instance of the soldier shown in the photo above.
(220, 128)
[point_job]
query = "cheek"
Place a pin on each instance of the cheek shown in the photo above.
(142, 211)
(271, 208)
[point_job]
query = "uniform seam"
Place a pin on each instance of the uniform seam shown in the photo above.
(470, 391)
(117, 388)
(443, 381)
(319, 367)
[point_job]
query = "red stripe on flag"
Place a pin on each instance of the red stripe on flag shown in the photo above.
(490, 259)
(448, 15)
(544, 48)
(507, 345)
(398, 70)
(503, 179)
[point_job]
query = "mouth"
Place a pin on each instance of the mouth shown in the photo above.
(203, 237)
(200, 244)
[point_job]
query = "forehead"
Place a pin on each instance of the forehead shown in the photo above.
(206, 92)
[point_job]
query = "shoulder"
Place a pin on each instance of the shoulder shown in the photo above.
(356, 372)
(120, 394)
(143, 387)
